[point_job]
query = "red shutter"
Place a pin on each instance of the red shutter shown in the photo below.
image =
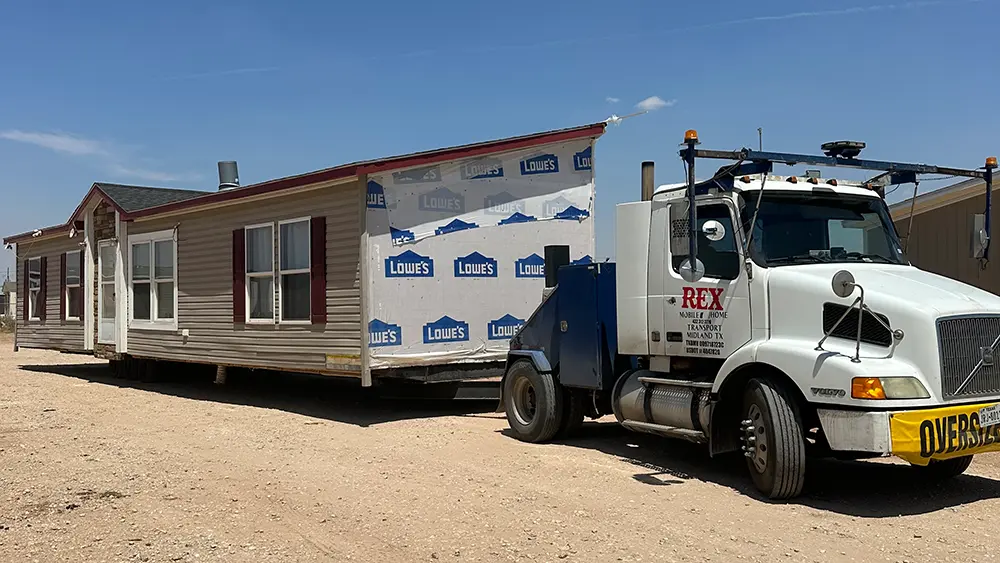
(45, 289)
(25, 299)
(318, 270)
(78, 313)
(239, 276)
(62, 286)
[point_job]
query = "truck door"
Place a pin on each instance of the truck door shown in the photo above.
(709, 318)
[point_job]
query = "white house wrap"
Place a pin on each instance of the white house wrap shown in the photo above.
(455, 249)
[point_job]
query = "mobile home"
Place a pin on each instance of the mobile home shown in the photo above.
(418, 266)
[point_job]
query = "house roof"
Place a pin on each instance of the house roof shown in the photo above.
(137, 198)
(8, 287)
(198, 199)
(939, 198)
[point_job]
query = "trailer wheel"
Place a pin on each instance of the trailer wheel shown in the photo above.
(943, 469)
(534, 403)
(574, 409)
(773, 440)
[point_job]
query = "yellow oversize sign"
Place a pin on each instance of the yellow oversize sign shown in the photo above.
(943, 433)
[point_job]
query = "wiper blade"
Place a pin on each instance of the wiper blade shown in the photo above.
(872, 257)
(800, 258)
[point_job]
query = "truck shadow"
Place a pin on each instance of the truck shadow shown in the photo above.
(329, 398)
(866, 489)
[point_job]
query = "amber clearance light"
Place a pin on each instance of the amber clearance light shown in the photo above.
(690, 135)
(867, 388)
(991, 162)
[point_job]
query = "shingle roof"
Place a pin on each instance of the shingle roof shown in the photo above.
(8, 287)
(136, 198)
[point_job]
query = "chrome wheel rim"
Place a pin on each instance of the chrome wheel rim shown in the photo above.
(759, 446)
(525, 401)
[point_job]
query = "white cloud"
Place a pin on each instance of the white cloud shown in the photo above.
(229, 72)
(59, 142)
(151, 175)
(611, 100)
(653, 103)
(106, 155)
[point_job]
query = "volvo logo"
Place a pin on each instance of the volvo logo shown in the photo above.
(986, 356)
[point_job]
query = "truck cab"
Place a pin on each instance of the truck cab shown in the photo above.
(799, 329)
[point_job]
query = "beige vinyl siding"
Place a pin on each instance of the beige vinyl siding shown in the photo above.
(205, 287)
(52, 334)
(940, 243)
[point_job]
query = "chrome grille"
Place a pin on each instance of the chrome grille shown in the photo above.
(968, 346)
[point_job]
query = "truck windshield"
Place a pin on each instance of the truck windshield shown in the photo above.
(803, 228)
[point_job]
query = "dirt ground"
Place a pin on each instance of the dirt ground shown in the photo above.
(98, 469)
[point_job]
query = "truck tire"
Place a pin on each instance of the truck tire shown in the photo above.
(533, 402)
(574, 409)
(777, 451)
(943, 469)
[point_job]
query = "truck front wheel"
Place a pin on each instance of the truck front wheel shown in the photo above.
(773, 440)
(534, 403)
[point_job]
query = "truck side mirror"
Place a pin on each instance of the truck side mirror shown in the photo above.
(979, 238)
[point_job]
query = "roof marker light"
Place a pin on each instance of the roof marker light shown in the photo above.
(745, 179)
(793, 180)
(813, 181)
(991, 162)
(832, 182)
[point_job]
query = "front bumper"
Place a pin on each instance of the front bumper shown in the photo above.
(917, 436)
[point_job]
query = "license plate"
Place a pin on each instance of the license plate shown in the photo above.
(989, 416)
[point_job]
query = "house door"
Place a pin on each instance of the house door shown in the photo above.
(106, 311)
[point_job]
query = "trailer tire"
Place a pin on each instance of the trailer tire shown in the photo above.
(574, 410)
(777, 462)
(533, 403)
(943, 469)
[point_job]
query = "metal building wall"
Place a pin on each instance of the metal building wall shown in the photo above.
(940, 243)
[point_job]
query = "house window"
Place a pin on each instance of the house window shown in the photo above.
(260, 272)
(293, 260)
(3, 304)
(34, 288)
(153, 279)
(74, 286)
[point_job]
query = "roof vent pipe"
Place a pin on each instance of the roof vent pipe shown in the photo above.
(229, 176)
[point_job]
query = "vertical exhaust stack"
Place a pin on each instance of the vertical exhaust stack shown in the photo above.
(229, 176)
(648, 181)
(556, 256)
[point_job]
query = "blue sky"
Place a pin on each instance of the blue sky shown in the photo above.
(156, 93)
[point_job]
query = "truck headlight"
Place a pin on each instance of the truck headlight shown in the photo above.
(879, 388)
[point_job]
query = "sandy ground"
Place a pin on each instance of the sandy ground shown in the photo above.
(98, 469)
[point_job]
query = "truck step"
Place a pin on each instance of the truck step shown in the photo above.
(677, 382)
(668, 431)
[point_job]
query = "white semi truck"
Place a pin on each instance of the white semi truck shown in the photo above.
(798, 330)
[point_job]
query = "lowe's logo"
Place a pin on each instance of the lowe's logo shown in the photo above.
(541, 164)
(454, 226)
(503, 328)
(582, 160)
(582, 260)
(554, 206)
(384, 334)
(442, 199)
(400, 236)
(502, 204)
(475, 265)
(417, 175)
(376, 197)
(446, 329)
(409, 265)
(530, 267)
(482, 168)
(516, 218)
(572, 213)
